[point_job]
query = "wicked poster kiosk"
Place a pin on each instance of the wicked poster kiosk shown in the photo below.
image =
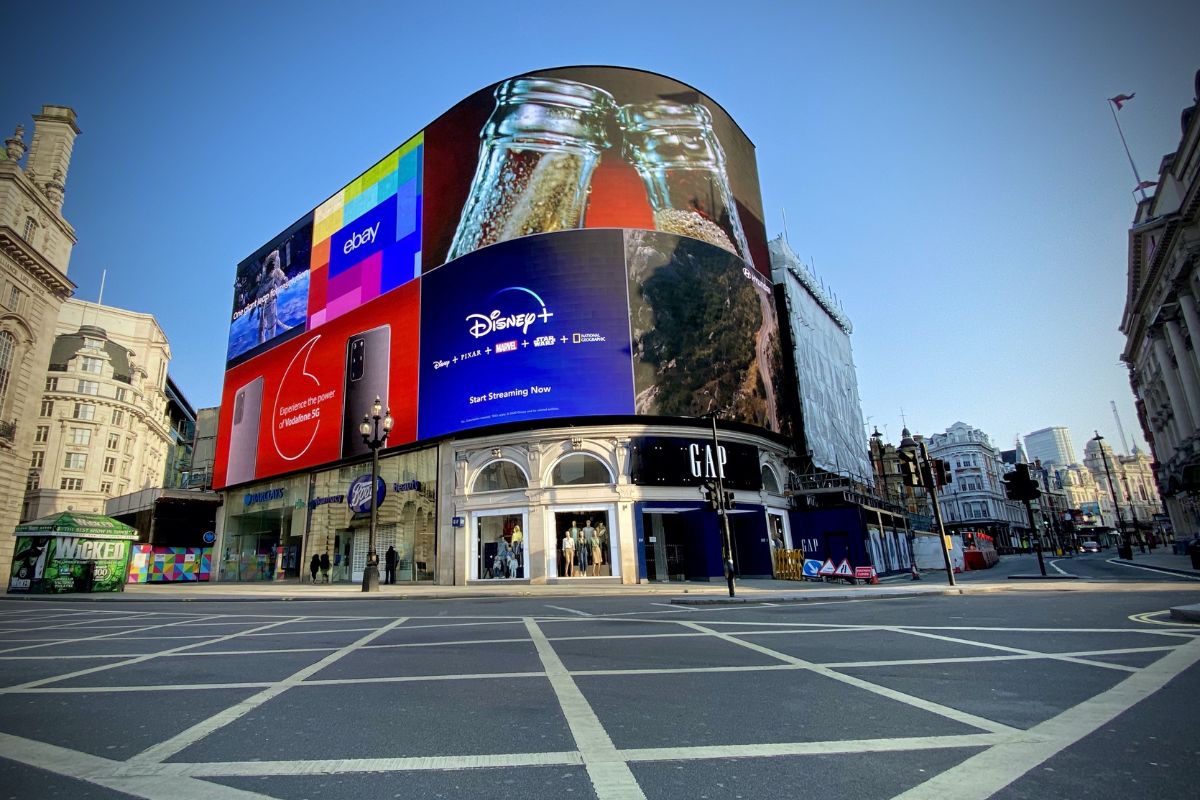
(71, 552)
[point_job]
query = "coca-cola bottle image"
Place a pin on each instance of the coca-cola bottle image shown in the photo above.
(675, 150)
(537, 154)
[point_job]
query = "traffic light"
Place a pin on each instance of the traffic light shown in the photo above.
(1018, 485)
(710, 495)
(910, 471)
(942, 471)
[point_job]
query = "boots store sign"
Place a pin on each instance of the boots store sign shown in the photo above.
(668, 461)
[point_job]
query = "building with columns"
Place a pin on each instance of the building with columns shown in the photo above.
(35, 248)
(1133, 484)
(1161, 323)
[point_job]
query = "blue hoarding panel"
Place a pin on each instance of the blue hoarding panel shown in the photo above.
(532, 328)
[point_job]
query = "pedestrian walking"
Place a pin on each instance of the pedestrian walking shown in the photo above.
(325, 567)
(389, 565)
(314, 565)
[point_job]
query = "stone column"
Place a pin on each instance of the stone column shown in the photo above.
(1187, 369)
(1183, 418)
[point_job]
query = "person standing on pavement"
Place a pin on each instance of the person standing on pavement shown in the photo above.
(389, 565)
(325, 567)
(314, 565)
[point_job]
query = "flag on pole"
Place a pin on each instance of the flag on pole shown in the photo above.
(1121, 100)
(1145, 185)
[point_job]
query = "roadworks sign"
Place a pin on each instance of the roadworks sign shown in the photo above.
(827, 568)
(844, 570)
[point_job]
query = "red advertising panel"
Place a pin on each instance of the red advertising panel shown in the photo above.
(299, 405)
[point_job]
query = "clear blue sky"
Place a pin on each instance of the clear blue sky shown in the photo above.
(951, 168)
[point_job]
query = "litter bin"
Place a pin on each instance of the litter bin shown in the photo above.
(1194, 553)
(1125, 551)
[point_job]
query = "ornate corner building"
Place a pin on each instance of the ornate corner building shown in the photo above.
(1161, 323)
(35, 248)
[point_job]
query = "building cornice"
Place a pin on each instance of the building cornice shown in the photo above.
(30, 191)
(46, 273)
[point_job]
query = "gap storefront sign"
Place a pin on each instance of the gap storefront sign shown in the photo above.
(671, 461)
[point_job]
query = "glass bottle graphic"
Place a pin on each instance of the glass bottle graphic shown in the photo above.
(675, 150)
(537, 154)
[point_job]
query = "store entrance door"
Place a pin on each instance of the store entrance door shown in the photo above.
(664, 546)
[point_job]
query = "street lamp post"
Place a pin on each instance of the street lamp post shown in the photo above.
(374, 429)
(1126, 549)
(723, 510)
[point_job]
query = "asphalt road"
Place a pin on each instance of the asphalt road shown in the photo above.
(1017, 694)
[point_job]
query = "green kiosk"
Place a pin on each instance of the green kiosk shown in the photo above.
(71, 552)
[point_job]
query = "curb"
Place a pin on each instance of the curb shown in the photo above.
(1186, 613)
(1047, 577)
(1188, 573)
(816, 598)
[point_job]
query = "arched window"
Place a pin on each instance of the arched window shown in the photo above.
(7, 347)
(500, 476)
(769, 481)
(578, 469)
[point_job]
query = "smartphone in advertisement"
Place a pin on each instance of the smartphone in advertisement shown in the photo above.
(243, 433)
(368, 361)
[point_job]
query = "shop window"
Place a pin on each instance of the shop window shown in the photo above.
(583, 543)
(769, 481)
(500, 476)
(500, 546)
(579, 469)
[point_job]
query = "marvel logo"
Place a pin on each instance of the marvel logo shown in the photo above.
(506, 347)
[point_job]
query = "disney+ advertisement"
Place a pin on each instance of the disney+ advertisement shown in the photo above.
(523, 330)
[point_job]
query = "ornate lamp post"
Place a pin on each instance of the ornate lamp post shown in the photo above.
(374, 429)
(1126, 549)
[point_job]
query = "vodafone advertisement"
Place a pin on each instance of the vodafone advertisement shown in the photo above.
(299, 405)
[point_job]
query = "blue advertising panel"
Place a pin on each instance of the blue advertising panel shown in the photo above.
(528, 329)
(270, 293)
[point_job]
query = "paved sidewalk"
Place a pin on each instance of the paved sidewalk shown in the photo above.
(1162, 559)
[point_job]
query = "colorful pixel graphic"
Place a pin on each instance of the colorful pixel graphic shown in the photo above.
(149, 564)
(367, 237)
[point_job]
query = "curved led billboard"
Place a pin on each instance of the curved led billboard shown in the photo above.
(574, 242)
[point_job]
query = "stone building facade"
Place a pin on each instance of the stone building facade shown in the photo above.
(1161, 323)
(975, 500)
(35, 249)
(102, 428)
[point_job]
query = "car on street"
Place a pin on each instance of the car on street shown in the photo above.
(1089, 547)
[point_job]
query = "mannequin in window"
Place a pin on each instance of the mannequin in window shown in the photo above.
(602, 535)
(568, 551)
(583, 551)
(518, 544)
(593, 546)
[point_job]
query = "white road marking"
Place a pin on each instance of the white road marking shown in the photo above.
(901, 744)
(334, 766)
(102, 667)
(1060, 570)
(569, 610)
(164, 750)
(610, 775)
(997, 767)
(103, 772)
(1152, 569)
(908, 699)
(84, 638)
(1018, 650)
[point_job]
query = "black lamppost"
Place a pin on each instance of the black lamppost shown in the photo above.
(374, 429)
(1126, 549)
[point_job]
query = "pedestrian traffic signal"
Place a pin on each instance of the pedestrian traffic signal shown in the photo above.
(942, 471)
(910, 472)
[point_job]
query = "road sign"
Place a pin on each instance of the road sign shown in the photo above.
(844, 570)
(865, 573)
(812, 568)
(827, 568)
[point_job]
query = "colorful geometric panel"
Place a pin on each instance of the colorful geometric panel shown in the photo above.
(367, 237)
(150, 564)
